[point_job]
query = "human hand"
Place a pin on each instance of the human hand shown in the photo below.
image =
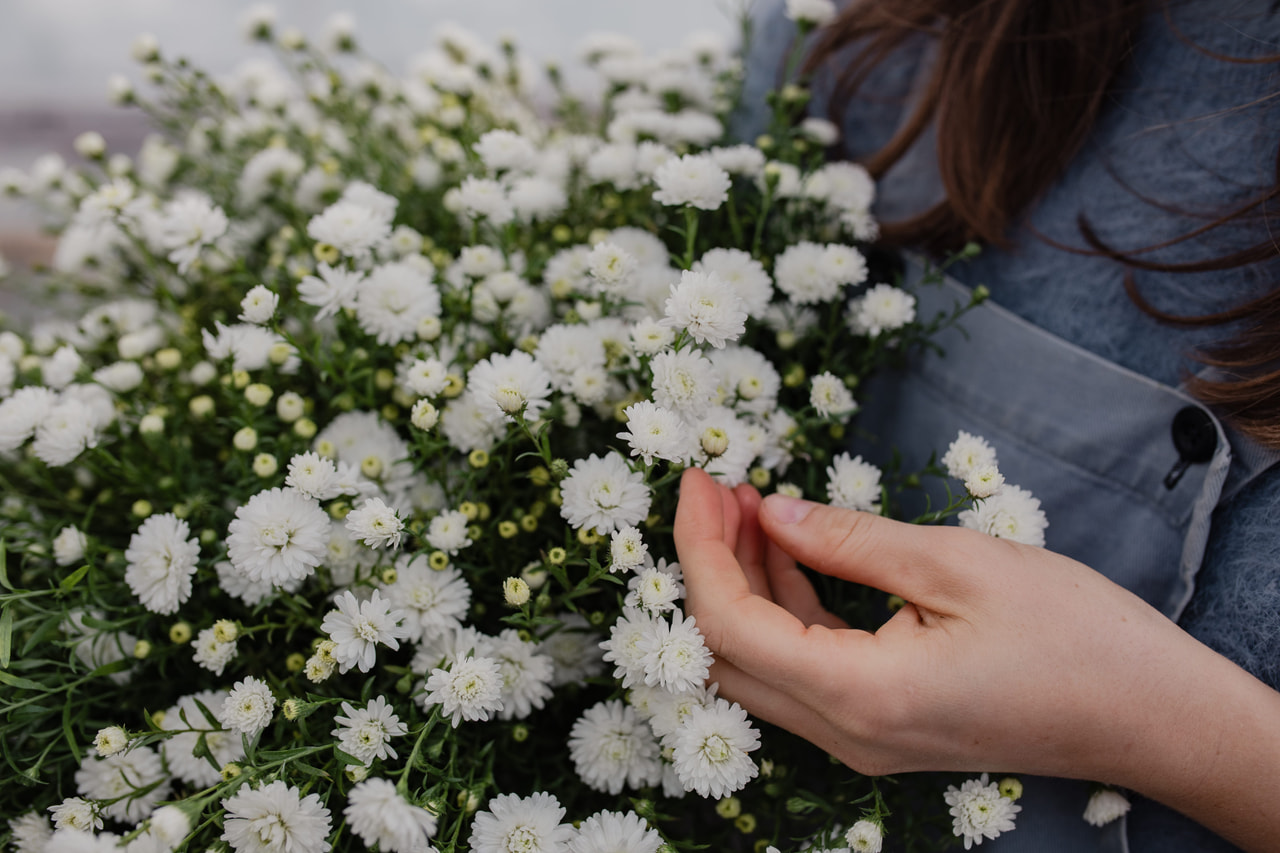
(1007, 658)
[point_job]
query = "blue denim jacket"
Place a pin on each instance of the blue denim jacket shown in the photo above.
(1074, 385)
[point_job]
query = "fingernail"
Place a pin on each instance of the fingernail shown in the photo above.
(786, 509)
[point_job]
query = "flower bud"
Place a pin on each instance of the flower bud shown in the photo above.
(515, 591)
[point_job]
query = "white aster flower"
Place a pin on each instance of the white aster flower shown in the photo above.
(830, 397)
(470, 689)
(612, 268)
(1105, 805)
(649, 336)
(124, 778)
(395, 299)
(195, 731)
(510, 385)
(350, 227)
(448, 532)
(809, 273)
(654, 591)
(674, 655)
(505, 150)
(743, 273)
(707, 307)
(853, 484)
(69, 545)
(313, 476)
(968, 453)
(514, 824)
(739, 159)
(627, 549)
(710, 749)
(66, 431)
(694, 179)
(275, 818)
(1013, 513)
(883, 308)
(377, 814)
(614, 832)
(160, 560)
(484, 198)
(623, 648)
(983, 482)
(211, 652)
(526, 673)
(358, 627)
(186, 225)
(76, 814)
(575, 650)
(249, 706)
(366, 732)
(375, 524)
(603, 494)
(684, 381)
(59, 370)
(979, 811)
(611, 747)
(278, 537)
(433, 602)
(22, 412)
(425, 377)
(656, 432)
(120, 376)
(865, 836)
(259, 305)
(29, 832)
(333, 290)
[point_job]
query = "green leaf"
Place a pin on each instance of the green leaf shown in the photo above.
(4, 570)
(68, 583)
(24, 683)
(6, 636)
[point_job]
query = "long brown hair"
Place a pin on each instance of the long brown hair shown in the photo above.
(1015, 88)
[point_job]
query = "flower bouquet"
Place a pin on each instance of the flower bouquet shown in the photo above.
(338, 507)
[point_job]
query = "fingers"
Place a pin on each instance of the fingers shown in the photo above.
(915, 562)
(752, 543)
(736, 623)
(792, 589)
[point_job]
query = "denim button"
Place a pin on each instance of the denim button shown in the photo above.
(1195, 439)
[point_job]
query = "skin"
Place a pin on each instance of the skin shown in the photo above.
(1008, 658)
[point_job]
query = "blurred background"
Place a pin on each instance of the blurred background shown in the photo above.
(56, 56)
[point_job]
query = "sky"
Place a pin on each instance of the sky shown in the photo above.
(56, 53)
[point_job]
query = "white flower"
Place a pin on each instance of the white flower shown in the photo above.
(313, 476)
(654, 590)
(278, 537)
(331, 292)
(684, 381)
(739, 159)
(501, 150)
(187, 224)
(510, 385)
(275, 818)
(526, 674)
(375, 524)
(160, 561)
(393, 301)
(123, 778)
(358, 627)
(853, 484)
(603, 494)
(448, 532)
(575, 650)
(614, 832)
(649, 336)
(984, 482)
(967, 454)
(28, 833)
(883, 308)
(623, 648)
(830, 397)
(626, 549)
(514, 824)
(743, 273)
(674, 655)
(21, 413)
(249, 706)
(612, 268)
(1012, 513)
(350, 227)
(248, 346)
(485, 198)
(809, 273)
(707, 307)
(816, 12)
(259, 305)
(694, 179)
(169, 826)
(366, 732)
(611, 747)
(710, 749)
(69, 545)
(1105, 805)
(425, 377)
(120, 376)
(979, 811)
(377, 814)
(656, 432)
(59, 369)
(470, 689)
(865, 836)
(66, 431)
(212, 653)
(432, 601)
(77, 815)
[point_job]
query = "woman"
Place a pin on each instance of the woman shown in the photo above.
(1083, 144)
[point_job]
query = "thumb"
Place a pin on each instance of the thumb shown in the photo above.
(925, 565)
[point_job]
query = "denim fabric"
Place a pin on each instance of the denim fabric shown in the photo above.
(1072, 383)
